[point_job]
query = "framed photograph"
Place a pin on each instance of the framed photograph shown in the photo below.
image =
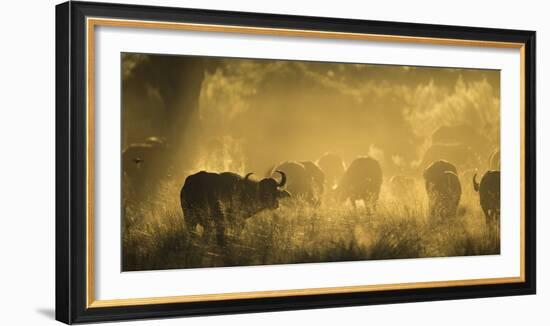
(212, 162)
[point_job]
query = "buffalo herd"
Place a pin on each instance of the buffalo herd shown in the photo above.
(219, 200)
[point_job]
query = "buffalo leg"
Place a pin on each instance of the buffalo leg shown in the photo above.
(219, 223)
(190, 220)
(370, 204)
(492, 220)
(220, 234)
(207, 231)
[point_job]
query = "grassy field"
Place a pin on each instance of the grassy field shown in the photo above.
(154, 234)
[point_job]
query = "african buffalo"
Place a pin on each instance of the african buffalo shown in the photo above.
(361, 181)
(218, 200)
(301, 180)
(139, 158)
(489, 194)
(443, 189)
(144, 166)
(437, 168)
(333, 167)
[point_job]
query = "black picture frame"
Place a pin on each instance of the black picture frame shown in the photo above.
(71, 157)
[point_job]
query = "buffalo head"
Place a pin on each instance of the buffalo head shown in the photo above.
(270, 191)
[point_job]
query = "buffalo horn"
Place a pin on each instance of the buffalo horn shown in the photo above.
(283, 178)
(476, 184)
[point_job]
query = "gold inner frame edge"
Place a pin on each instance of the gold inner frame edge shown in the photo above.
(92, 22)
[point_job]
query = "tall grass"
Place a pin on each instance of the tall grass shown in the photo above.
(155, 237)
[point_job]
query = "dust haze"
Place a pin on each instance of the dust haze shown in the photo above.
(185, 114)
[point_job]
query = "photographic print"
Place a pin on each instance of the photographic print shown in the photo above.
(239, 162)
(215, 162)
